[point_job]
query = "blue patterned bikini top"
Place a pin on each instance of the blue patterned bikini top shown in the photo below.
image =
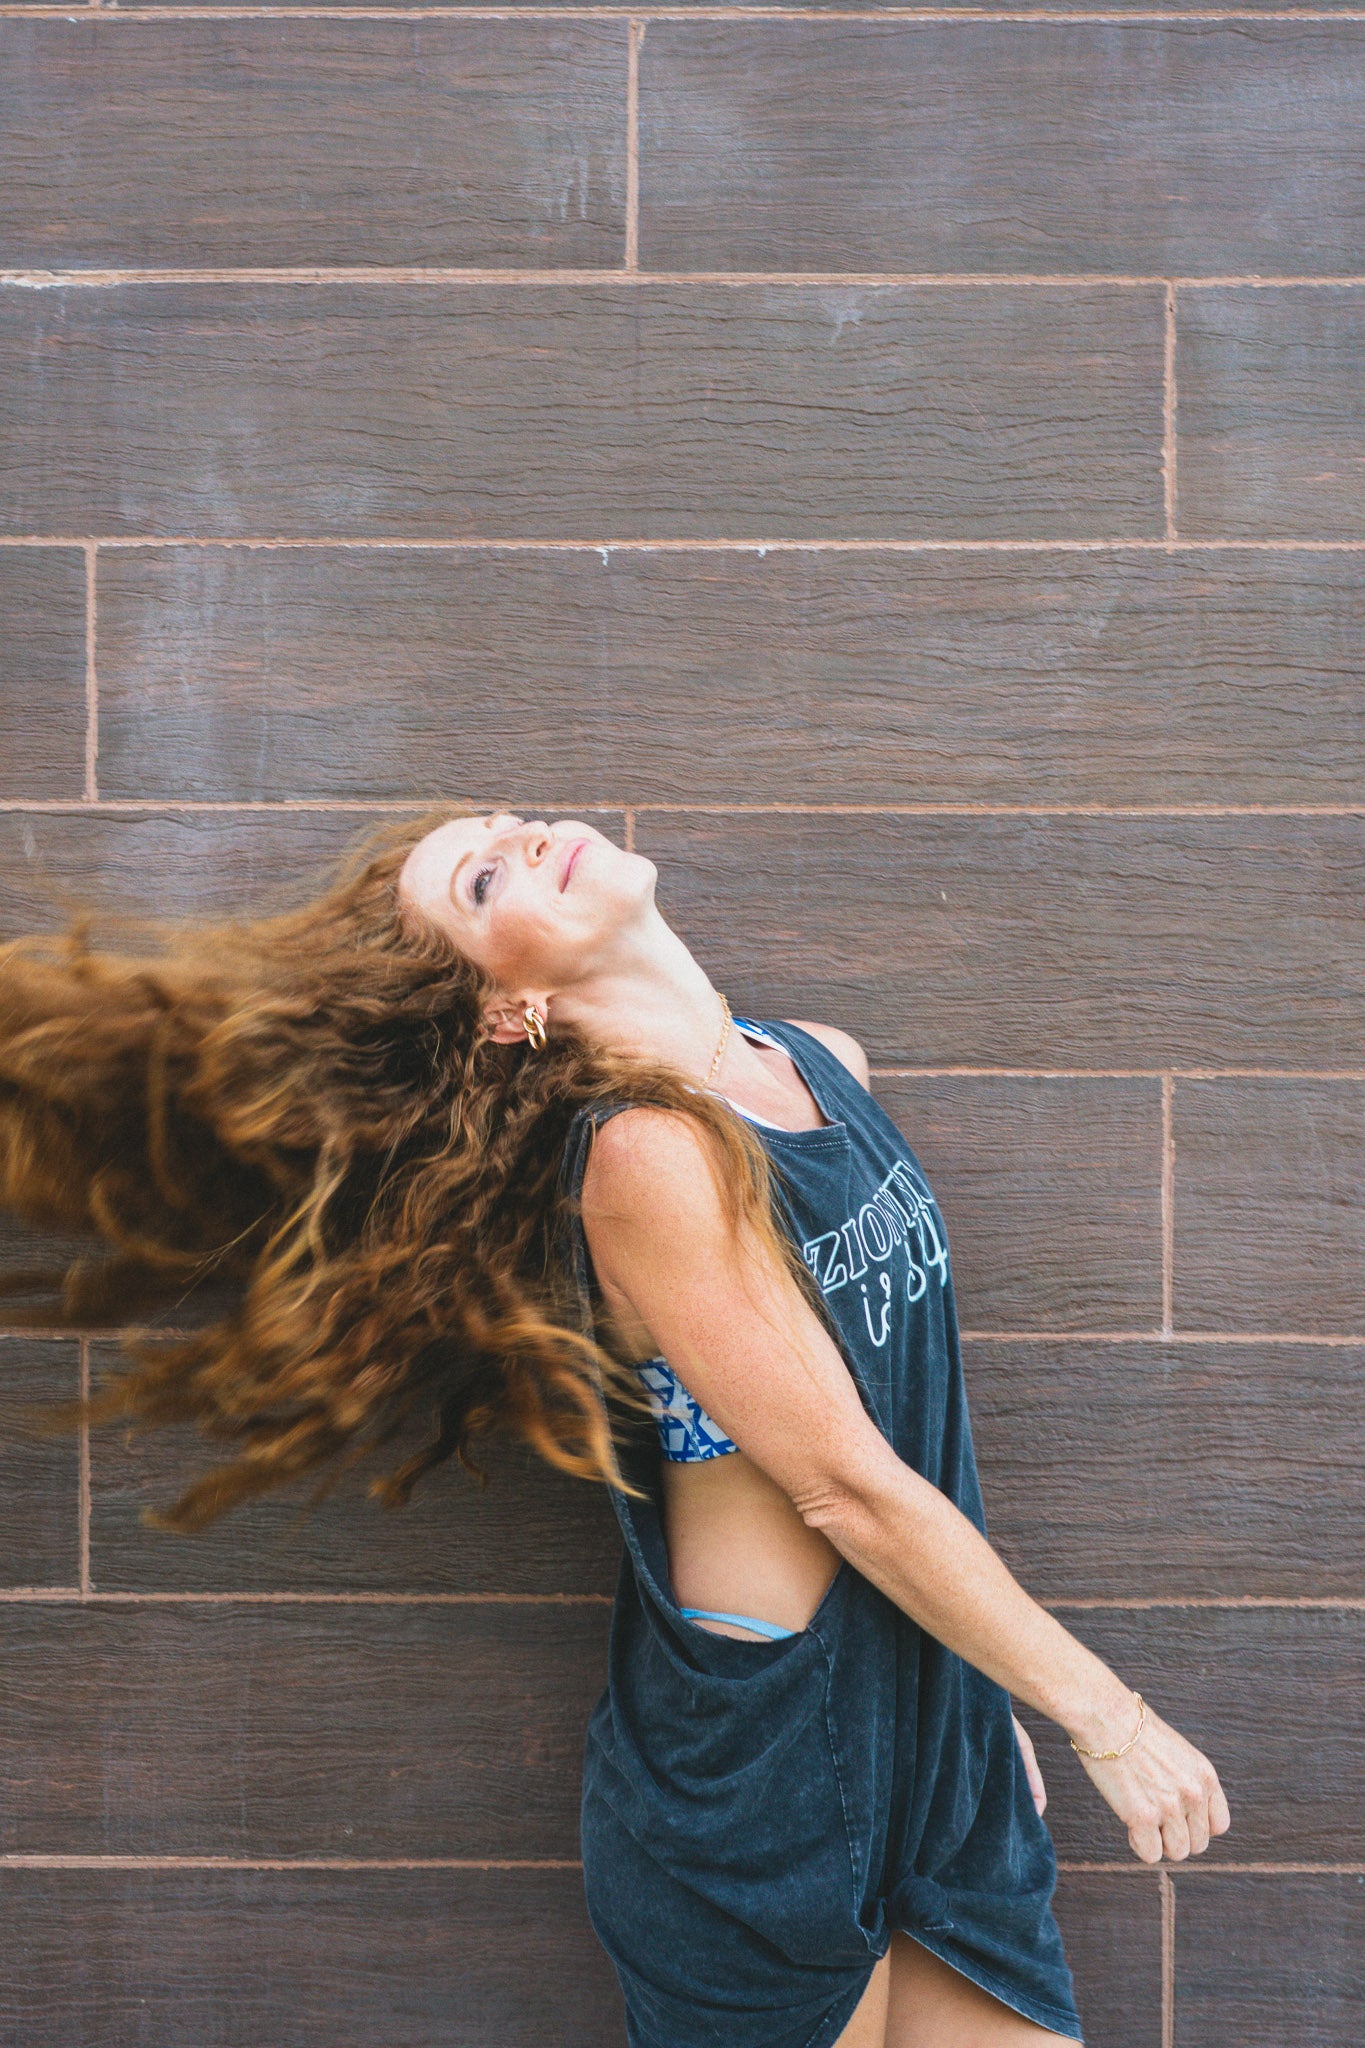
(687, 1434)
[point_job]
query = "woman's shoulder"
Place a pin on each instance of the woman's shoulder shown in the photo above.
(841, 1043)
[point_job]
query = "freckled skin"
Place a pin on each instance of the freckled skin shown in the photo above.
(507, 912)
(598, 951)
(598, 954)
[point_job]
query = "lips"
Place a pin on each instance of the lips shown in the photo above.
(571, 862)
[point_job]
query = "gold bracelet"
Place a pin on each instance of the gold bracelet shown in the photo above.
(1106, 1755)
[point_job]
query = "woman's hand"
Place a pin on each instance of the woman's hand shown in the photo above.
(1034, 1775)
(1166, 1793)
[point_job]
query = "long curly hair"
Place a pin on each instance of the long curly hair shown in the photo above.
(304, 1104)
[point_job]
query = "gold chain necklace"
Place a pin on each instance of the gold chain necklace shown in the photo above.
(724, 1035)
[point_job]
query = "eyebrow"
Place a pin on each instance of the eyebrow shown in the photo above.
(468, 854)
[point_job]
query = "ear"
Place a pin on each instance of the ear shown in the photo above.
(504, 1024)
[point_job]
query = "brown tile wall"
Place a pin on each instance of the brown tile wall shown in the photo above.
(907, 475)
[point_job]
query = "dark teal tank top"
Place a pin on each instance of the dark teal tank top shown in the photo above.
(758, 1816)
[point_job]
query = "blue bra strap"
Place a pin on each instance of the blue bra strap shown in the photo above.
(764, 1628)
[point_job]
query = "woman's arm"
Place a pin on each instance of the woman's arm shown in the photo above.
(736, 1330)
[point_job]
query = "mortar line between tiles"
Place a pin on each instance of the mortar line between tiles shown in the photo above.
(92, 695)
(485, 544)
(23, 1333)
(63, 1596)
(83, 1476)
(67, 1860)
(37, 1860)
(1239, 1337)
(947, 17)
(634, 38)
(1167, 1206)
(1168, 446)
(113, 276)
(345, 806)
(1167, 1960)
(68, 1596)
(1009, 1073)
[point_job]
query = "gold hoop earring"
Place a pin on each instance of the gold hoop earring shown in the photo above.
(534, 1025)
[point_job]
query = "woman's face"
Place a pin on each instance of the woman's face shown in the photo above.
(537, 906)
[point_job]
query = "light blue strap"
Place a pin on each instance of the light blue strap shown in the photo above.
(764, 1628)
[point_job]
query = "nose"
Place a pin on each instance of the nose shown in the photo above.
(535, 834)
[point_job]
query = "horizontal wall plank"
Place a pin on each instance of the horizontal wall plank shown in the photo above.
(297, 1730)
(338, 1959)
(1269, 1205)
(1178, 940)
(39, 1474)
(1265, 1960)
(1032, 941)
(1111, 678)
(1269, 1694)
(385, 1731)
(1197, 149)
(531, 1530)
(1271, 420)
(1171, 1472)
(42, 672)
(608, 410)
(182, 863)
(163, 863)
(1051, 1190)
(220, 143)
(1111, 1929)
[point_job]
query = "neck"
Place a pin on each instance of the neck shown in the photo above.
(654, 1001)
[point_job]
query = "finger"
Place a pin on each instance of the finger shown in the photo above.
(1175, 1837)
(1035, 1778)
(1220, 1820)
(1197, 1822)
(1144, 1838)
(1031, 1770)
(1035, 1783)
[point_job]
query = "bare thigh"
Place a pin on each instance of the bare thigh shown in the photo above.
(867, 2028)
(913, 2000)
(930, 2005)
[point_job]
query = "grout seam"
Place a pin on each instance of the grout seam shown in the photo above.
(1167, 1959)
(83, 1595)
(1245, 1337)
(664, 544)
(59, 1596)
(1168, 450)
(58, 806)
(53, 1333)
(634, 38)
(1167, 1206)
(83, 1478)
(956, 17)
(59, 1860)
(92, 698)
(69, 1860)
(113, 275)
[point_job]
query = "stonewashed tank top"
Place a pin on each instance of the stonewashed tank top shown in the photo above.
(757, 1816)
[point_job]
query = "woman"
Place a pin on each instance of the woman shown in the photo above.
(474, 1129)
